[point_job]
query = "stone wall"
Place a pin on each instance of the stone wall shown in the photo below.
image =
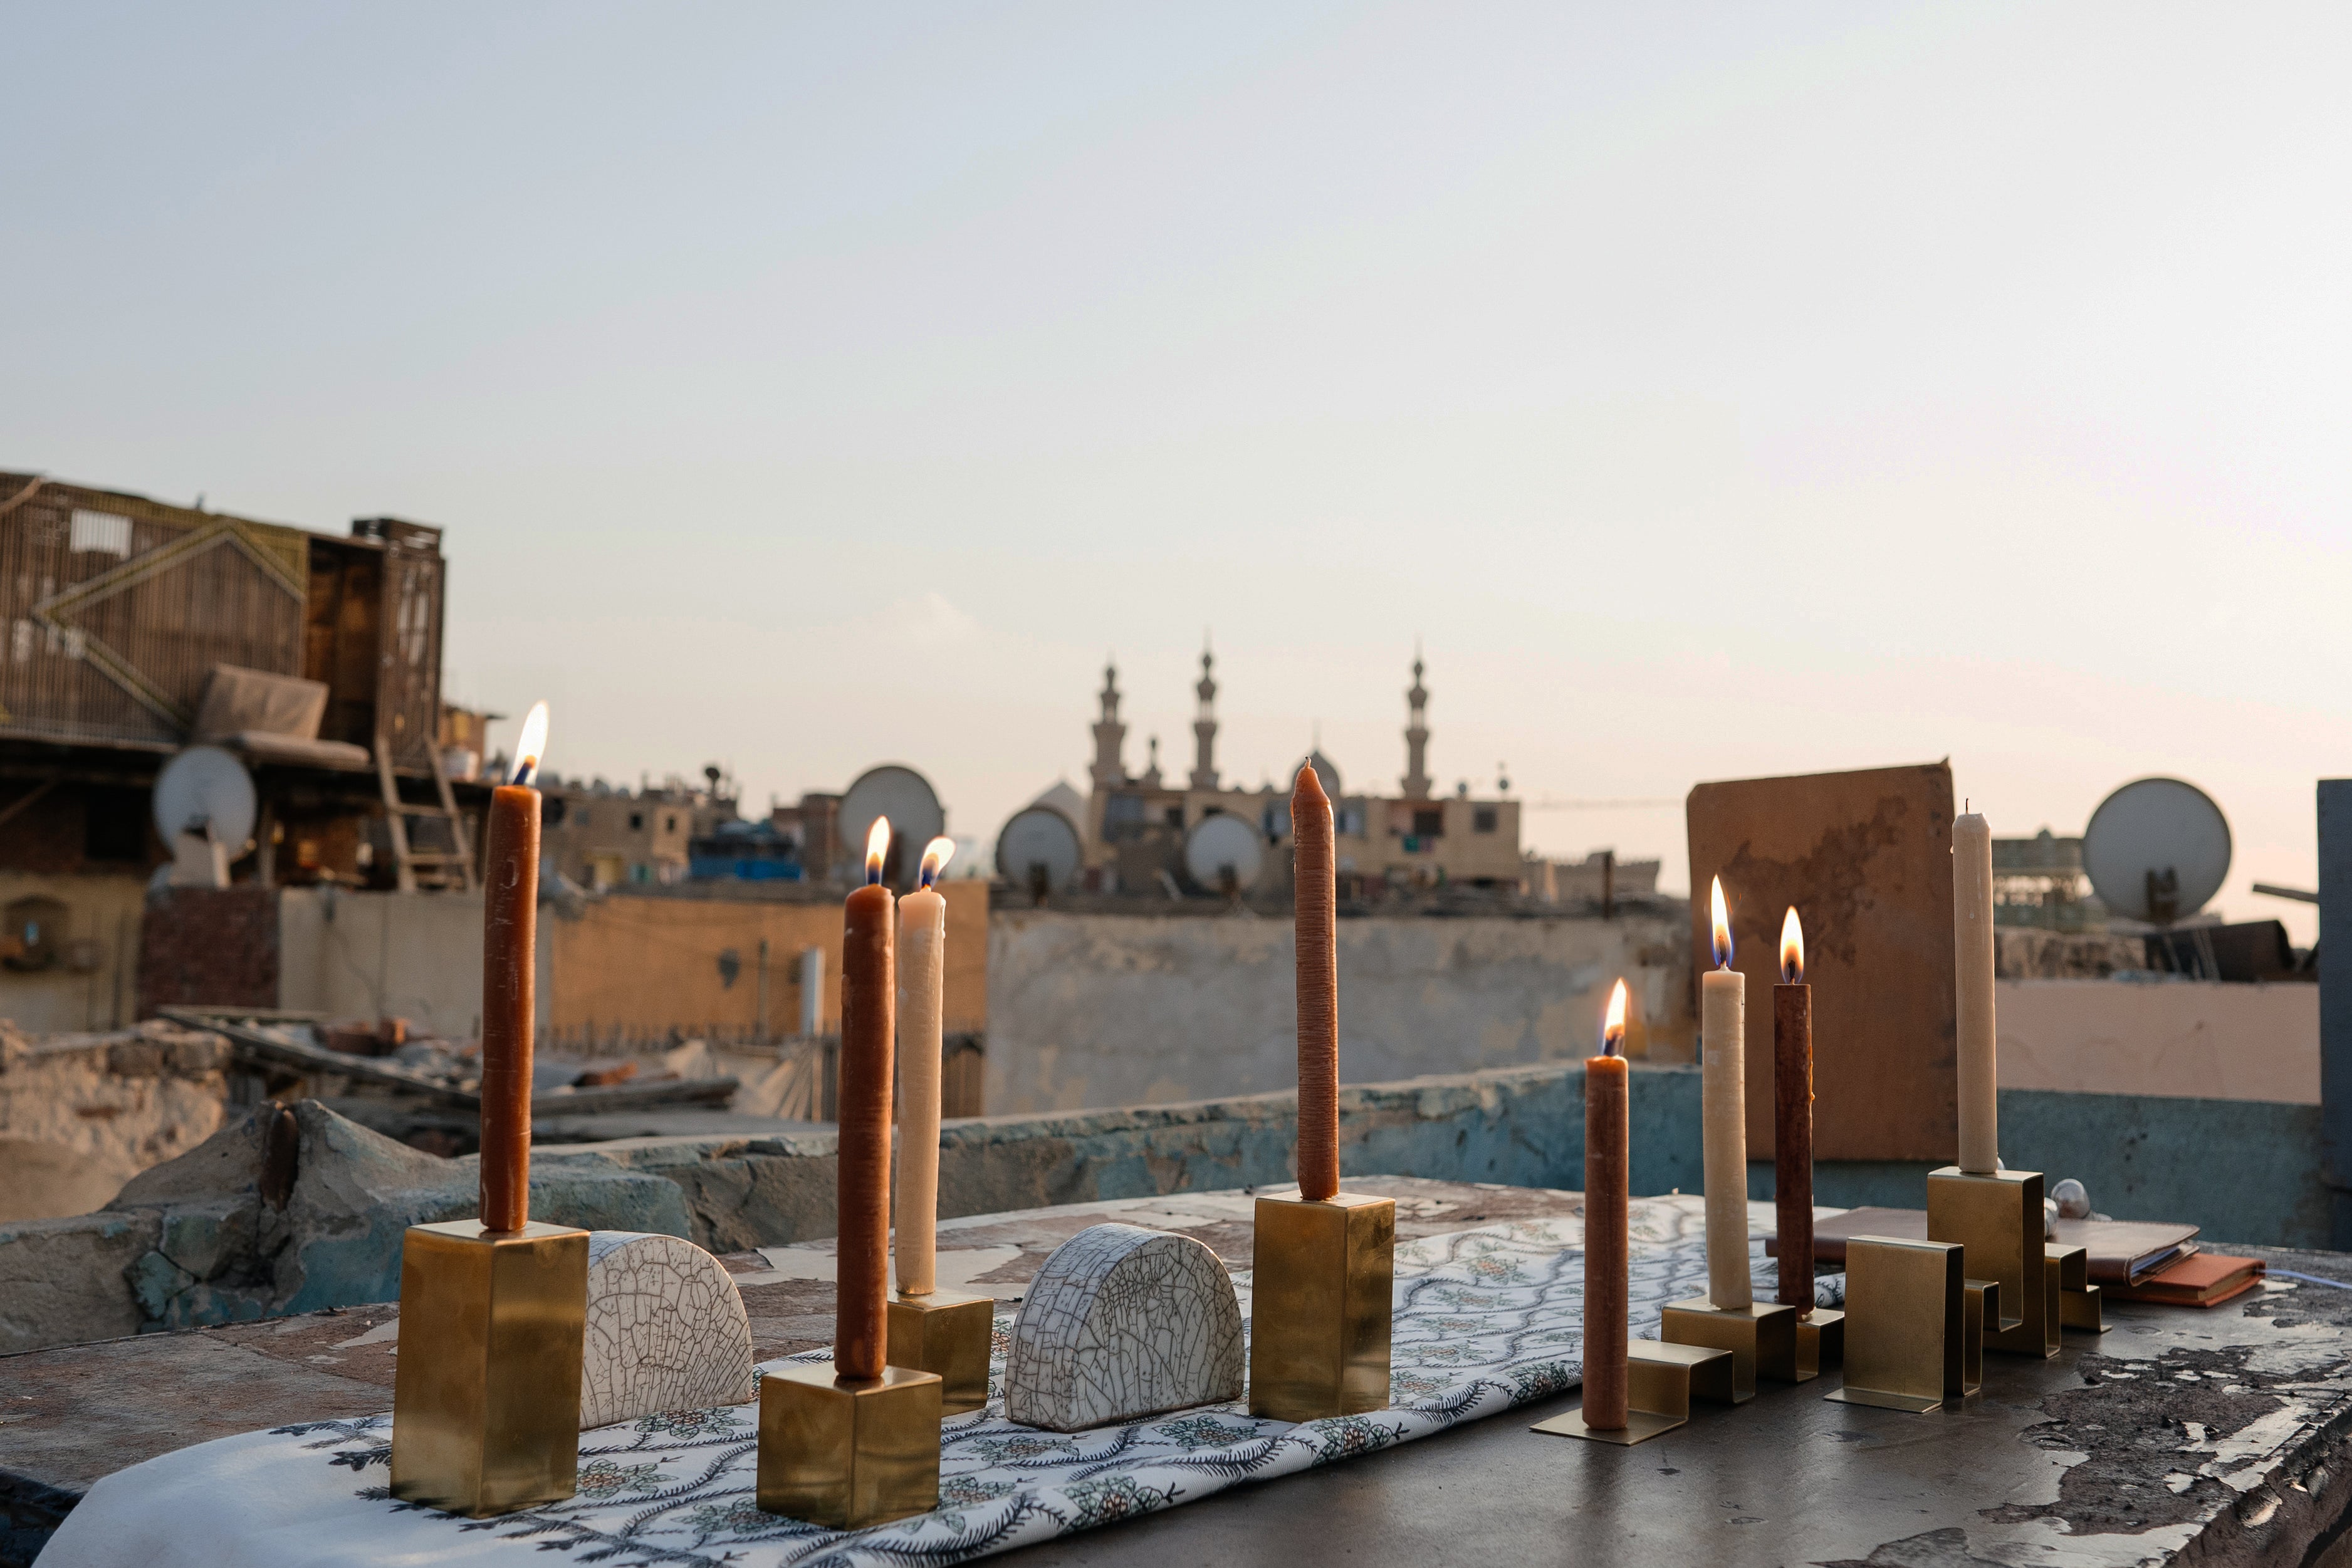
(1092, 1009)
(81, 1114)
(280, 1211)
(206, 1238)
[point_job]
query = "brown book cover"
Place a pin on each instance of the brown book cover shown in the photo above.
(2122, 1251)
(2207, 1279)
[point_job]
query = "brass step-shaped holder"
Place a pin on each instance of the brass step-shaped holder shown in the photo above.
(486, 1396)
(1322, 1294)
(1997, 1217)
(1660, 1381)
(2080, 1305)
(1820, 1342)
(946, 1332)
(1907, 1338)
(848, 1452)
(1761, 1338)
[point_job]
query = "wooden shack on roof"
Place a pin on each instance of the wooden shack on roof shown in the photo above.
(130, 630)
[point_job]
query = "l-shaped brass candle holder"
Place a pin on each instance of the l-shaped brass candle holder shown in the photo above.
(1660, 1381)
(1761, 1338)
(2080, 1305)
(1908, 1311)
(1999, 1218)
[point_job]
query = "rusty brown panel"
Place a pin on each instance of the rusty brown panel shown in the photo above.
(408, 701)
(1867, 858)
(340, 633)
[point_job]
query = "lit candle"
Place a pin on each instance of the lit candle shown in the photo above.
(1723, 1029)
(1606, 1137)
(1315, 923)
(869, 1005)
(509, 934)
(1792, 1118)
(1972, 994)
(922, 951)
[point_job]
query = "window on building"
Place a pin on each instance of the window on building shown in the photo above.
(637, 821)
(1173, 816)
(670, 824)
(1429, 823)
(1123, 817)
(101, 532)
(114, 824)
(1482, 819)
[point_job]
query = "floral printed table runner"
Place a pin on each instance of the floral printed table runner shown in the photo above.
(1486, 1319)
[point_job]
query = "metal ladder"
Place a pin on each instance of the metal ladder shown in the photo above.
(440, 867)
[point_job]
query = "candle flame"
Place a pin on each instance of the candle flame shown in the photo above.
(1612, 1033)
(936, 856)
(1722, 925)
(531, 746)
(877, 844)
(1793, 950)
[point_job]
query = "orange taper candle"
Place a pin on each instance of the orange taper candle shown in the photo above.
(1607, 1138)
(869, 1008)
(509, 935)
(1319, 989)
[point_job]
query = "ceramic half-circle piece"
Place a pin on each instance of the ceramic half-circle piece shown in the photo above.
(1123, 1322)
(667, 1331)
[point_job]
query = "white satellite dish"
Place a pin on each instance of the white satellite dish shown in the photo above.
(1222, 844)
(2156, 850)
(906, 798)
(1038, 838)
(205, 790)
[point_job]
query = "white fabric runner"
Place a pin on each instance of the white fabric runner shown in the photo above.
(1485, 1319)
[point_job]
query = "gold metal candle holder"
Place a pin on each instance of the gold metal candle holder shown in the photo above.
(486, 1396)
(846, 1453)
(1820, 1342)
(1999, 1219)
(2080, 1305)
(1761, 1338)
(947, 1333)
(1906, 1323)
(1322, 1294)
(1660, 1381)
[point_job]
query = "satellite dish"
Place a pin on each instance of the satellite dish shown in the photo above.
(2156, 850)
(906, 797)
(1221, 845)
(205, 790)
(1038, 838)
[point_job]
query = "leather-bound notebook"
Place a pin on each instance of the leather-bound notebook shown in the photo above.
(2122, 1251)
(2207, 1279)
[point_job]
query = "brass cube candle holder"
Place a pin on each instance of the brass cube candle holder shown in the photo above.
(848, 1452)
(1323, 1281)
(1997, 1217)
(1820, 1342)
(486, 1396)
(1660, 1381)
(947, 1333)
(2080, 1305)
(1761, 1336)
(1906, 1323)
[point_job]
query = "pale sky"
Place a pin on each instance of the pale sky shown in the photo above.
(1716, 390)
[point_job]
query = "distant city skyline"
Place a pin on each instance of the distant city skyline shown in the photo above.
(1717, 392)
